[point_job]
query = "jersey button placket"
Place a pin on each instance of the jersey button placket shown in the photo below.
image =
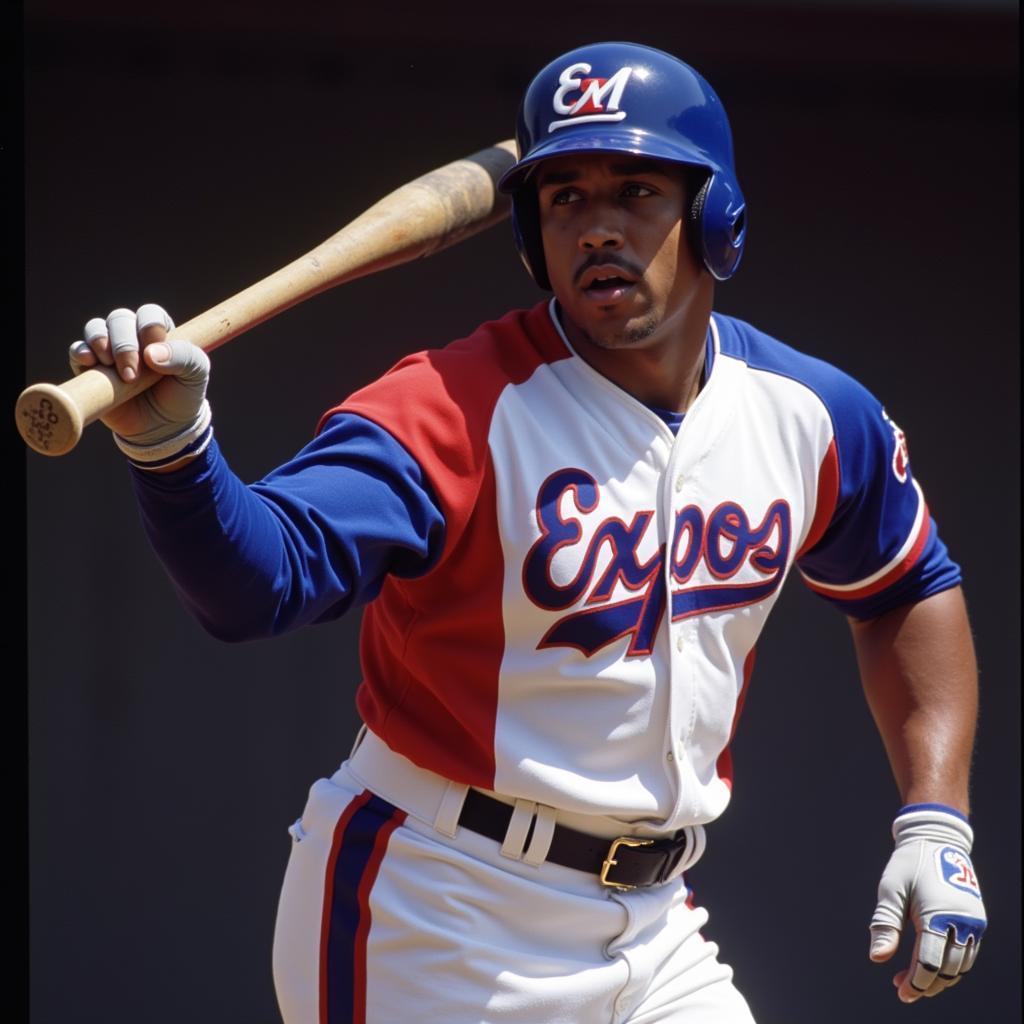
(674, 483)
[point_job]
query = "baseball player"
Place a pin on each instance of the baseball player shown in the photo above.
(567, 531)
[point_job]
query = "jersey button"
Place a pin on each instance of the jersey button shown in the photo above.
(679, 483)
(679, 641)
(670, 756)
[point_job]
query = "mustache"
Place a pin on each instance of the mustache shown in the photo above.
(599, 259)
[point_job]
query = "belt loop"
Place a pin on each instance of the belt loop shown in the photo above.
(696, 840)
(543, 832)
(446, 821)
(518, 829)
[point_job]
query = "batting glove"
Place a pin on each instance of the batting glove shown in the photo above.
(930, 880)
(170, 421)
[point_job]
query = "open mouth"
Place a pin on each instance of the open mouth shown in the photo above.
(606, 284)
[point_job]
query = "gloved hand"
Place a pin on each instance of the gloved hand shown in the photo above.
(930, 880)
(170, 421)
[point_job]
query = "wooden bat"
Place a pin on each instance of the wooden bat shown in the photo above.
(419, 218)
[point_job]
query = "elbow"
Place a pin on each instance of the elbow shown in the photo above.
(259, 612)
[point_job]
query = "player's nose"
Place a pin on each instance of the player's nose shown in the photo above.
(602, 231)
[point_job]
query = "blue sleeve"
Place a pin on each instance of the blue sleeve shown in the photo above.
(881, 548)
(876, 546)
(310, 540)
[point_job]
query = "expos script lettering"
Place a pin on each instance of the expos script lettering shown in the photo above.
(723, 541)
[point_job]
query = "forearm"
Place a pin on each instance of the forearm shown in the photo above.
(919, 674)
(313, 538)
(243, 571)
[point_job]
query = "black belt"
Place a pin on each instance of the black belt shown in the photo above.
(624, 863)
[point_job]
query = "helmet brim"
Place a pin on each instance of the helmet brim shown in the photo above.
(634, 141)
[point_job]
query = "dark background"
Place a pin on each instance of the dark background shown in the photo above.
(178, 155)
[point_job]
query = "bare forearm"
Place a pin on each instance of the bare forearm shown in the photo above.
(919, 674)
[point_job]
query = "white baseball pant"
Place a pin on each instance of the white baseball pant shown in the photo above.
(390, 914)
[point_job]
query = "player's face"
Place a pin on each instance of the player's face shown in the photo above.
(613, 227)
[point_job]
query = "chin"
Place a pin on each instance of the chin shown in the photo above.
(629, 332)
(610, 328)
(640, 329)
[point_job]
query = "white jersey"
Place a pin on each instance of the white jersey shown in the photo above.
(586, 636)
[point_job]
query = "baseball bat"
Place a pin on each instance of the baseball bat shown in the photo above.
(417, 219)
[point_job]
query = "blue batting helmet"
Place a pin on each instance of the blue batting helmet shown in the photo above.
(627, 98)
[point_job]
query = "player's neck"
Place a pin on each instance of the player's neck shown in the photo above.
(663, 370)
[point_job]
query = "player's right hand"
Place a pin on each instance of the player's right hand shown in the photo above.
(168, 417)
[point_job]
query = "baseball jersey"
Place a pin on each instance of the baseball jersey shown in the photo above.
(563, 593)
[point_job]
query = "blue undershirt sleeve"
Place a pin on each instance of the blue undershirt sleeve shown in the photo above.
(313, 538)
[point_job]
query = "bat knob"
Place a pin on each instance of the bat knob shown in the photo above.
(48, 419)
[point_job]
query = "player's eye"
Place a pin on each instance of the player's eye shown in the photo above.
(564, 196)
(634, 190)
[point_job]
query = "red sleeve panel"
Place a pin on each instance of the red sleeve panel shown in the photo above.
(432, 647)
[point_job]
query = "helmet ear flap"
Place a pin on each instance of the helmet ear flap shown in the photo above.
(698, 182)
(723, 227)
(526, 229)
(717, 225)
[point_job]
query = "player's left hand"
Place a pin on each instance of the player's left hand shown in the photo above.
(929, 880)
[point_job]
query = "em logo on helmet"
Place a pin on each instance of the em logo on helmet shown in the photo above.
(591, 105)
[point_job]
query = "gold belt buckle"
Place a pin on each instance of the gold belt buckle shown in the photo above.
(610, 860)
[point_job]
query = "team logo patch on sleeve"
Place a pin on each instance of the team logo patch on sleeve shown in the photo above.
(598, 99)
(900, 454)
(956, 869)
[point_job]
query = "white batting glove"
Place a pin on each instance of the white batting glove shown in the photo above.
(170, 421)
(930, 880)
